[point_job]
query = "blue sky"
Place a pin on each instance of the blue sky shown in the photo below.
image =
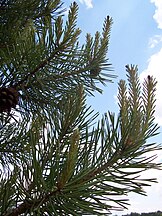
(136, 38)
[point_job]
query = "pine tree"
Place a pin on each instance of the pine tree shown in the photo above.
(54, 158)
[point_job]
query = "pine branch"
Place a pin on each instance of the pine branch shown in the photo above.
(58, 159)
(40, 66)
(28, 206)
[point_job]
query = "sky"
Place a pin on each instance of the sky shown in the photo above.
(136, 38)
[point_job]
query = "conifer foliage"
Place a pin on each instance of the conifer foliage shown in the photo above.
(54, 158)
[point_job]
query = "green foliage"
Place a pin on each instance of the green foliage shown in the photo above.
(55, 160)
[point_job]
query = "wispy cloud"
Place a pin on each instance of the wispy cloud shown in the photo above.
(88, 3)
(155, 40)
(158, 12)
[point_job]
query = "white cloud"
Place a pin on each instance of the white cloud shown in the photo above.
(155, 69)
(158, 12)
(155, 40)
(88, 3)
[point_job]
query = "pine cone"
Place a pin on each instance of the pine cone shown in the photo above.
(8, 99)
(95, 72)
